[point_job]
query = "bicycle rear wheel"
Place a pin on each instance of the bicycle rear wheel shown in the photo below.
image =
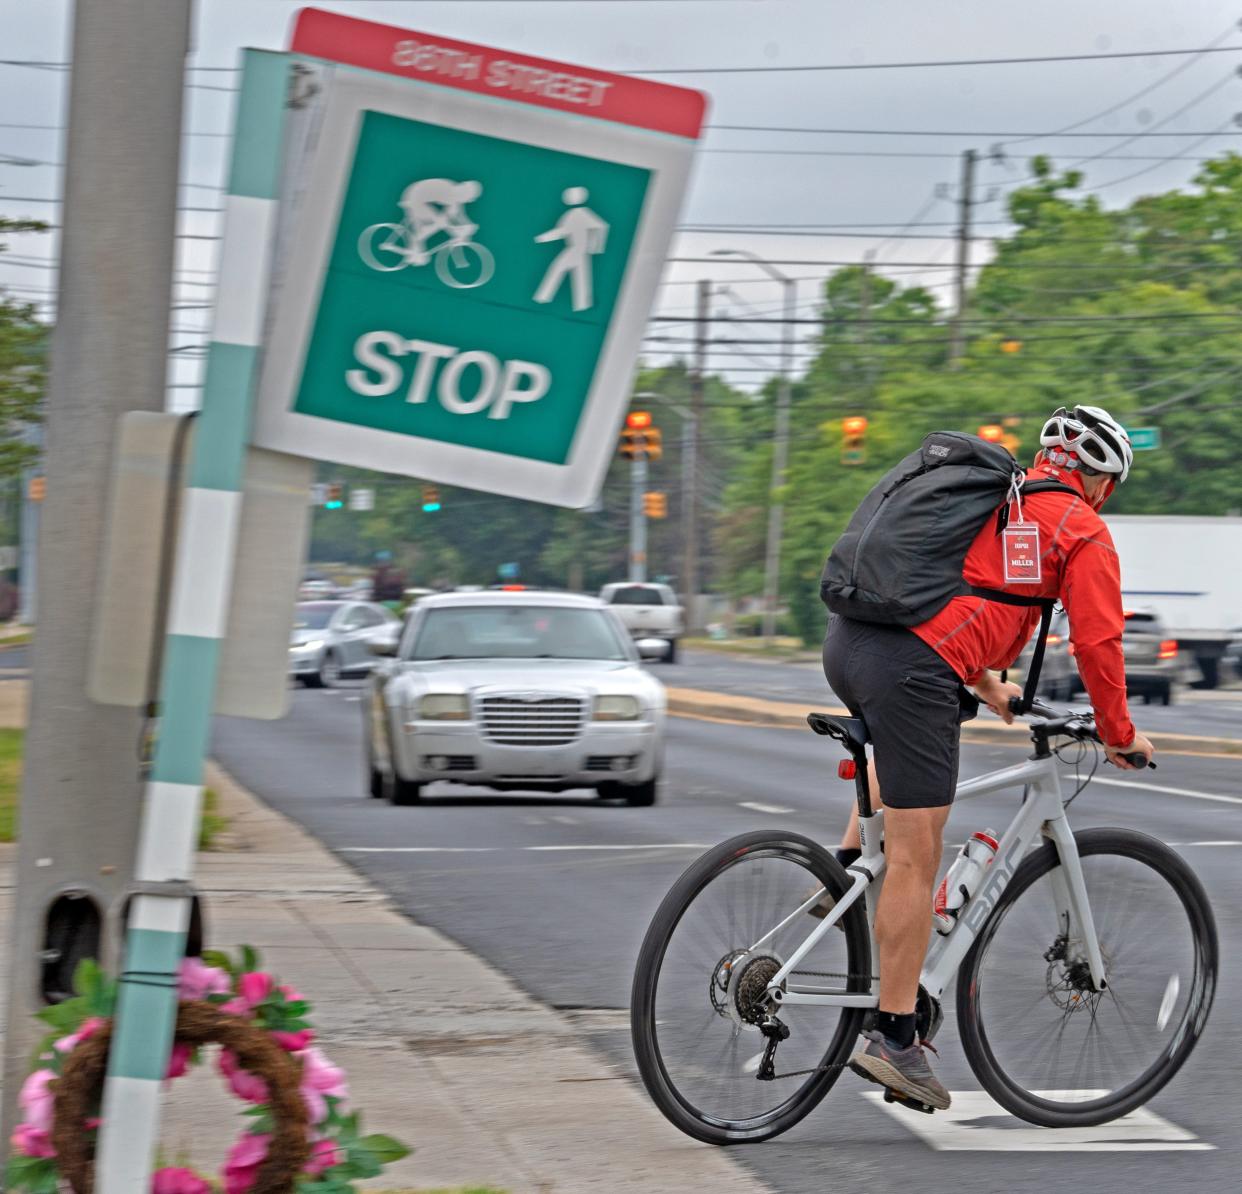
(1046, 1046)
(698, 996)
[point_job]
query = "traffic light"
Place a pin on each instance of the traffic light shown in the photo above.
(333, 499)
(853, 447)
(640, 440)
(655, 505)
(992, 432)
(431, 499)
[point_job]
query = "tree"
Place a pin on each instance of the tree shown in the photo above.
(23, 354)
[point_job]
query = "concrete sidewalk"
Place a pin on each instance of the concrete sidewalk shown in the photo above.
(488, 1086)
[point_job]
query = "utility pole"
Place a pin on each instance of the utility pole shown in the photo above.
(864, 320)
(690, 499)
(965, 202)
(28, 539)
(638, 520)
(780, 457)
(81, 789)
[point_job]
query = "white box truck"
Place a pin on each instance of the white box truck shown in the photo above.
(1188, 570)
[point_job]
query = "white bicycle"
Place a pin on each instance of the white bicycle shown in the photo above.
(459, 261)
(1085, 962)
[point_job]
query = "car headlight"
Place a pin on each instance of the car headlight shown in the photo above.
(617, 708)
(444, 707)
(313, 645)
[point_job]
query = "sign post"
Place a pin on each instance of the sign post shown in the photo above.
(1144, 439)
(478, 245)
(155, 939)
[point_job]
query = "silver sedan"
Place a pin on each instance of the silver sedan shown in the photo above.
(332, 639)
(515, 691)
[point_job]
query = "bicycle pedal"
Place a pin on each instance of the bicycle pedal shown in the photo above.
(913, 1104)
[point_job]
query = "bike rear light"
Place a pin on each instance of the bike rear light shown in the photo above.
(1168, 649)
(847, 769)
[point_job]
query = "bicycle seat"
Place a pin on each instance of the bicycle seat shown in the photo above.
(850, 730)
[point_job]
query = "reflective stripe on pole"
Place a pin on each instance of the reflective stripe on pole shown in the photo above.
(147, 1001)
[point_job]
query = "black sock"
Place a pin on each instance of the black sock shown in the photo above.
(847, 855)
(898, 1029)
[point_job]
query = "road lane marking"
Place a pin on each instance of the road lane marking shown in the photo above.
(562, 819)
(774, 809)
(1130, 783)
(518, 849)
(976, 1124)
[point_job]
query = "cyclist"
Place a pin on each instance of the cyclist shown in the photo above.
(437, 205)
(908, 685)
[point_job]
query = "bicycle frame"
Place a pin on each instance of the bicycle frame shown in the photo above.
(1042, 814)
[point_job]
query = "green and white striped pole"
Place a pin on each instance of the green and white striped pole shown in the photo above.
(202, 578)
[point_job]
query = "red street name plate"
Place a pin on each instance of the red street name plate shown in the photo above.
(580, 90)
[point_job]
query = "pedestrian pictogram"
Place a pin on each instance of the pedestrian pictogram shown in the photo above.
(585, 236)
(477, 251)
(433, 207)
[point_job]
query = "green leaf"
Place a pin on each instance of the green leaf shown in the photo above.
(383, 1148)
(87, 977)
(220, 960)
(249, 958)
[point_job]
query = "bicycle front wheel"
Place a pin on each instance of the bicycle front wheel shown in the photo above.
(1042, 1043)
(699, 989)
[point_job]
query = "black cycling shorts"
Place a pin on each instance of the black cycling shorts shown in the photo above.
(913, 704)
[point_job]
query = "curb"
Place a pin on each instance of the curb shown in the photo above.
(723, 706)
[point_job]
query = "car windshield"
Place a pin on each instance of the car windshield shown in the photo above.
(517, 632)
(313, 615)
(636, 595)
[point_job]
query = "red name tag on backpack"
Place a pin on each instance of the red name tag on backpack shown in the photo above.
(1020, 543)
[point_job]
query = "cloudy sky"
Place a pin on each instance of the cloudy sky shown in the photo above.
(790, 196)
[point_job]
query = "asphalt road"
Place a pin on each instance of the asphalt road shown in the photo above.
(1214, 713)
(557, 892)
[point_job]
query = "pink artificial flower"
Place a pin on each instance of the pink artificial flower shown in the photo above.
(178, 1181)
(294, 1041)
(178, 1060)
(37, 1101)
(255, 986)
(236, 1007)
(241, 1167)
(32, 1142)
(324, 1154)
(292, 994)
(244, 1084)
(67, 1044)
(198, 980)
(320, 1079)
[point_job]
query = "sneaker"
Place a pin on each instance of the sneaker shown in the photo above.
(823, 907)
(904, 1072)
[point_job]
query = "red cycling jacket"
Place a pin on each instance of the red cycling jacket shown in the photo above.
(1080, 568)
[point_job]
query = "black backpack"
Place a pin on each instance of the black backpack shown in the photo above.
(900, 559)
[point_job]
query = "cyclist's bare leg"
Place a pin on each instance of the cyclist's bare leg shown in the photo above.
(912, 845)
(850, 841)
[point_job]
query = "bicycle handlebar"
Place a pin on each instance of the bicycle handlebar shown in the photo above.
(1073, 725)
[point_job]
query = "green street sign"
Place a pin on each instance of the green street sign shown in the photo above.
(469, 276)
(1144, 439)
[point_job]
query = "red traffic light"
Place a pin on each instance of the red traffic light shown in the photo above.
(638, 420)
(854, 425)
(992, 432)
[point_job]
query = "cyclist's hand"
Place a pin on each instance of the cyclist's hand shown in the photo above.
(1140, 744)
(995, 693)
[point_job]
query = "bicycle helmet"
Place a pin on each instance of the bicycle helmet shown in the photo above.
(1100, 443)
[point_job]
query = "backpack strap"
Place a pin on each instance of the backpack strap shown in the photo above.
(1046, 604)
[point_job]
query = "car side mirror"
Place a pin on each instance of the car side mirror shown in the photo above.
(651, 648)
(383, 647)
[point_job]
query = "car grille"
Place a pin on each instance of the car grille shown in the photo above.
(450, 762)
(545, 721)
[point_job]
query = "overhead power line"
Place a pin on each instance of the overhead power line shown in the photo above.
(937, 62)
(855, 132)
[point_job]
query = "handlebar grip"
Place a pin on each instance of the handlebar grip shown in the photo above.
(1136, 758)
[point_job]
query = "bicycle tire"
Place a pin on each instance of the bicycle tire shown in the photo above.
(366, 247)
(978, 1047)
(673, 1103)
(447, 262)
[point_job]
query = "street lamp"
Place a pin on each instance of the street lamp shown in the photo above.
(780, 445)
